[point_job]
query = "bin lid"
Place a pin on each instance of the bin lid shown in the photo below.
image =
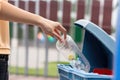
(98, 46)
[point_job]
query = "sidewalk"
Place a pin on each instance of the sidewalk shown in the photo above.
(19, 77)
(35, 57)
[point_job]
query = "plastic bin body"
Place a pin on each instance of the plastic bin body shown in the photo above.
(68, 73)
(98, 48)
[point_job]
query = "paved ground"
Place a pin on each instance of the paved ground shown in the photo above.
(35, 58)
(14, 77)
(18, 57)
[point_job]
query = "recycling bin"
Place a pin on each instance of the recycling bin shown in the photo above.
(99, 48)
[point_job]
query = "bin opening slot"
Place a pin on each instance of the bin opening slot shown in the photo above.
(98, 55)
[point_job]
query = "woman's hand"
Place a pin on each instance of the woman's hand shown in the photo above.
(53, 28)
(49, 27)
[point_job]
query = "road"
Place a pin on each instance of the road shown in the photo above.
(19, 77)
(18, 56)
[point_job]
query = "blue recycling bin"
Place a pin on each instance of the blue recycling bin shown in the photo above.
(99, 49)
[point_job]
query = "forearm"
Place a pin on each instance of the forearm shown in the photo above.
(12, 13)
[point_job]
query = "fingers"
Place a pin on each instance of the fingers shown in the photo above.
(63, 30)
(55, 29)
(57, 36)
(58, 32)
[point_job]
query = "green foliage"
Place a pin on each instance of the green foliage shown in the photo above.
(78, 34)
(11, 29)
(31, 32)
(20, 31)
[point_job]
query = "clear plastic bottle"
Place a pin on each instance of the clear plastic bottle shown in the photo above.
(70, 50)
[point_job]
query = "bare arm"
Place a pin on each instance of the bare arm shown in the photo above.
(12, 13)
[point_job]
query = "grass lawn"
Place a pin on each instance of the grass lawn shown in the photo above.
(52, 70)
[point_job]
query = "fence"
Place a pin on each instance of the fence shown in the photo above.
(64, 11)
